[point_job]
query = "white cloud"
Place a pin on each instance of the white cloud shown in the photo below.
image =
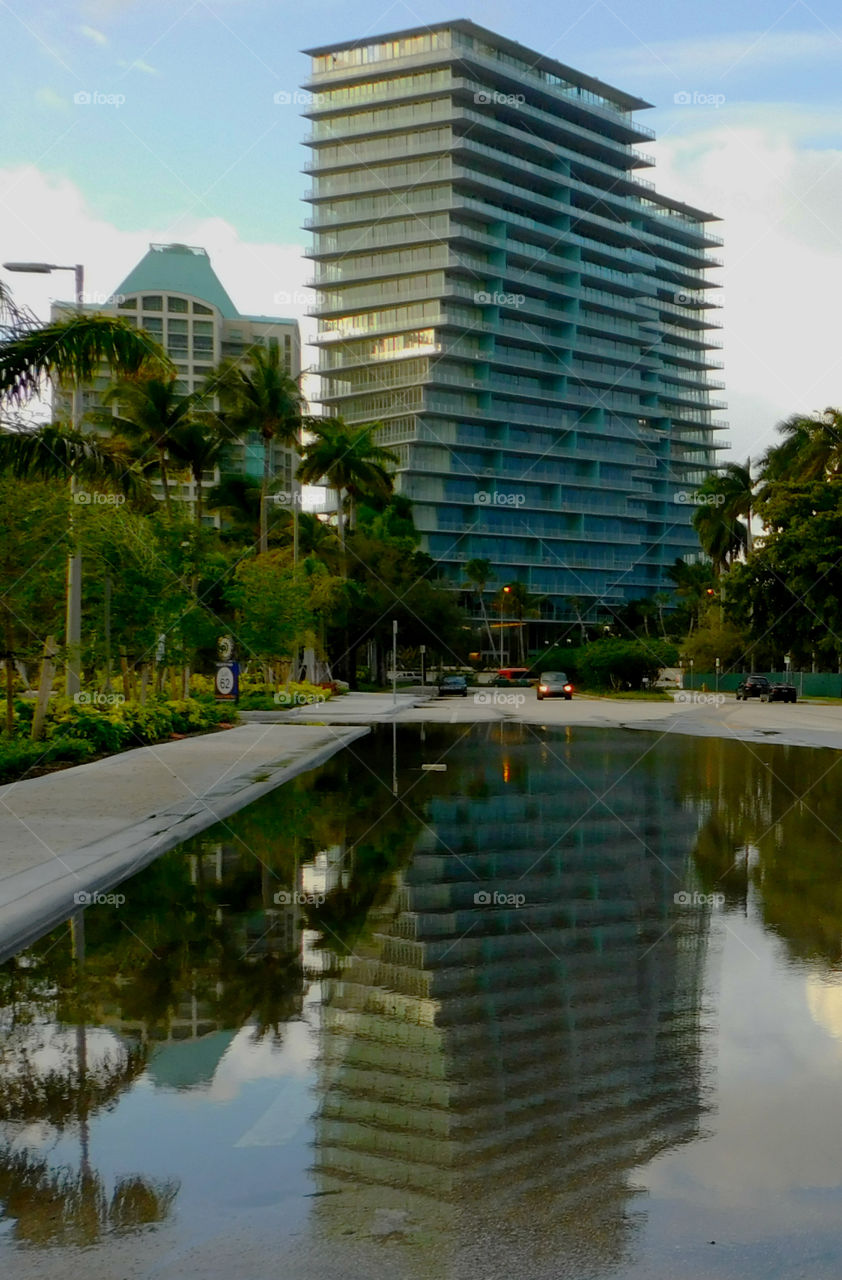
(92, 33)
(47, 218)
(139, 65)
(47, 97)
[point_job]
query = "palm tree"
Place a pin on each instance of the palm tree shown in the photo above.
(152, 416)
(479, 573)
(692, 582)
(258, 394)
(71, 350)
(238, 498)
(200, 444)
(518, 601)
(810, 450)
(726, 496)
(350, 461)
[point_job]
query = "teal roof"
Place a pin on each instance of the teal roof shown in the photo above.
(179, 268)
(269, 319)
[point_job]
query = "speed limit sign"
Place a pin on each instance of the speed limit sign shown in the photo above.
(226, 681)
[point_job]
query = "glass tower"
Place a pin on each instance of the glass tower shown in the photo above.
(526, 317)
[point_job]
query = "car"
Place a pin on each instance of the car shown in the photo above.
(554, 684)
(453, 686)
(512, 677)
(752, 687)
(780, 693)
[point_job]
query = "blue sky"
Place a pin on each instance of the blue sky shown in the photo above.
(199, 150)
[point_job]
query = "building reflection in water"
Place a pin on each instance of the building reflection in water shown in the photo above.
(523, 1029)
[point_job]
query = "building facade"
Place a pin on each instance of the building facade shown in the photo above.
(528, 319)
(176, 296)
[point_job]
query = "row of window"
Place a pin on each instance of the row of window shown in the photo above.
(384, 50)
(392, 86)
(155, 302)
(362, 151)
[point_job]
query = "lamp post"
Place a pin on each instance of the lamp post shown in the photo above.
(717, 674)
(503, 595)
(73, 625)
(692, 662)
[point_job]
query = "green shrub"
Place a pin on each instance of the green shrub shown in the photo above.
(19, 755)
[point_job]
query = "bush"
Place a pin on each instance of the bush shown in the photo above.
(18, 756)
(620, 664)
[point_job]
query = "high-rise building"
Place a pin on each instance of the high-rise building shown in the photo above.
(528, 319)
(176, 296)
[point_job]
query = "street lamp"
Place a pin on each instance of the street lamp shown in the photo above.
(73, 625)
(503, 595)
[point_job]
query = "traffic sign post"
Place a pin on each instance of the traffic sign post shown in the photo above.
(227, 681)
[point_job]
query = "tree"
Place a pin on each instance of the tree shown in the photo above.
(811, 449)
(200, 444)
(693, 580)
(152, 416)
(71, 350)
(258, 394)
(723, 498)
(350, 461)
(479, 573)
(272, 605)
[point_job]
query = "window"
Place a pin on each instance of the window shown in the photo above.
(200, 310)
(154, 326)
(128, 304)
(176, 304)
(153, 303)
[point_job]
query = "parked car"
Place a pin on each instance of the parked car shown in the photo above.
(453, 686)
(512, 676)
(752, 687)
(554, 684)
(781, 693)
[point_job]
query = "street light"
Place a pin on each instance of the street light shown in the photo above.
(503, 595)
(73, 625)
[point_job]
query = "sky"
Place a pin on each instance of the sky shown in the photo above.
(126, 122)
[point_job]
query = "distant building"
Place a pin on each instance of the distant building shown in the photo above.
(176, 296)
(528, 318)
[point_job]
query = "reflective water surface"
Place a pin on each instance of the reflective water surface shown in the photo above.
(569, 1007)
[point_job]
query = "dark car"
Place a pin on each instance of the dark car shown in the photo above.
(781, 693)
(453, 686)
(554, 684)
(753, 687)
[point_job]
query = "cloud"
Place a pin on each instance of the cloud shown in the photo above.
(782, 276)
(91, 33)
(139, 65)
(692, 60)
(47, 97)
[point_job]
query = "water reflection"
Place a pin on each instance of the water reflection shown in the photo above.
(504, 995)
(522, 1029)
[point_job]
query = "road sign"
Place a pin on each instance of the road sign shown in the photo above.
(225, 648)
(227, 681)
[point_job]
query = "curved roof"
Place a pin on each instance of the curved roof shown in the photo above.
(179, 268)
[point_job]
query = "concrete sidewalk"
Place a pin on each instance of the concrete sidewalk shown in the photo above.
(89, 827)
